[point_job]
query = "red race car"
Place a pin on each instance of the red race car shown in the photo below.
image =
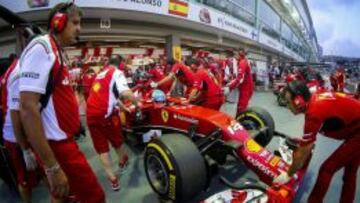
(188, 143)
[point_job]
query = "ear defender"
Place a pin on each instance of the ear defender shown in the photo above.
(58, 22)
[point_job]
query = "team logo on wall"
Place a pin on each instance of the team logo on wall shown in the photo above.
(179, 8)
(204, 16)
(37, 3)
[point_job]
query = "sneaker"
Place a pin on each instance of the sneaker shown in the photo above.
(123, 165)
(115, 185)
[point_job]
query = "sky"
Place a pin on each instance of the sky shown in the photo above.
(337, 26)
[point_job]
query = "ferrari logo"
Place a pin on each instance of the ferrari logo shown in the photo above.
(253, 146)
(165, 115)
(96, 87)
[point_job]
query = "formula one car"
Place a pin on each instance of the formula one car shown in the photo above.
(189, 143)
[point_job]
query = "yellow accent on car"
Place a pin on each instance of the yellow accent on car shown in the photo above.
(172, 187)
(165, 115)
(252, 146)
(163, 154)
(274, 161)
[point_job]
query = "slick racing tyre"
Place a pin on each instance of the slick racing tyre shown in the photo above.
(255, 118)
(175, 168)
(281, 99)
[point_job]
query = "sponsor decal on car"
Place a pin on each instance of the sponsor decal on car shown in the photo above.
(165, 115)
(172, 186)
(234, 126)
(252, 146)
(261, 166)
(265, 154)
(186, 119)
(274, 161)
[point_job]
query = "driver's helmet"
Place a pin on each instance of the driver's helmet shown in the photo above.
(158, 96)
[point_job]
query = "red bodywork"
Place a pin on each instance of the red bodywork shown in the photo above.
(179, 117)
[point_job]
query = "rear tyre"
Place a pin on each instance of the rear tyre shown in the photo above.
(175, 168)
(255, 118)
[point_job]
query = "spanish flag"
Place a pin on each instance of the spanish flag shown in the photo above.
(178, 7)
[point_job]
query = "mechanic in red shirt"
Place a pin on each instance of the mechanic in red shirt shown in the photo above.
(244, 82)
(184, 74)
(87, 81)
(50, 128)
(335, 115)
(22, 158)
(340, 78)
(109, 87)
(157, 74)
(210, 94)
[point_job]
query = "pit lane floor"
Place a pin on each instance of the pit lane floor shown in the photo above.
(135, 188)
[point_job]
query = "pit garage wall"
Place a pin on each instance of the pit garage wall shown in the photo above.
(184, 11)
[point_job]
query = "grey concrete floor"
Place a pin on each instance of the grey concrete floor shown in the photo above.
(135, 188)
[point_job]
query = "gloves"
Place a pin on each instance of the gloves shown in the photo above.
(30, 159)
(281, 179)
(153, 85)
(226, 90)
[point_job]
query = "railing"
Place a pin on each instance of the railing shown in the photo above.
(234, 9)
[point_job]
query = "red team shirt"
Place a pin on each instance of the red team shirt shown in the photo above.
(7, 84)
(103, 97)
(157, 75)
(244, 78)
(209, 85)
(61, 115)
(324, 107)
(185, 75)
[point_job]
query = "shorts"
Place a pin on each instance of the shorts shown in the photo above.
(104, 131)
(82, 179)
(27, 179)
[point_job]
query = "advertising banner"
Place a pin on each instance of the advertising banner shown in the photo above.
(270, 42)
(209, 16)
(152, 6)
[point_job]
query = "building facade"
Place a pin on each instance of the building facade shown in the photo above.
(271, 30)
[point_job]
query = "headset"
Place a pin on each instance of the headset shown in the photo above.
(298, 99)
(60, 18)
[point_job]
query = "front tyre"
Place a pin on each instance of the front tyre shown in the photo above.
(175, 168)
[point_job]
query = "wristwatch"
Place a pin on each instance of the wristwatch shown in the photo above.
(52, 170)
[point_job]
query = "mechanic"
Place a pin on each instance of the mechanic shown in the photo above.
(49, 110)
(243, 81)
(210, 94)
(87, 81)
(340, 123)
(340, 78)
(26, 165)
(157, 74)
(184, 74)
(109, 87)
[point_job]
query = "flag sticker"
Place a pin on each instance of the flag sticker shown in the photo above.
(178, 7)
